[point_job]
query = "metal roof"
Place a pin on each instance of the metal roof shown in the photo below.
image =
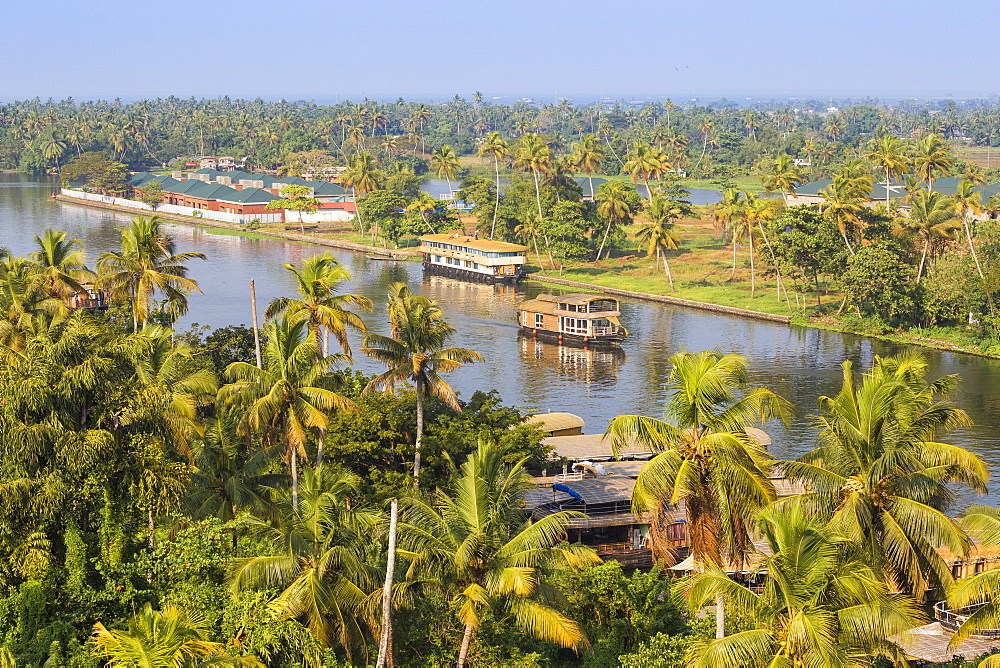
(542, 495)
(574, 298)
(603, 489)
(555, 421)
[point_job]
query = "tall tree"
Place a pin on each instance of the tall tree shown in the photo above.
(658, 234)
(476, 541)
(820, 605)
(496, 146)
(880, 476)
(316, 558)
(587, 154)
(614, 207)
(286, 399)
(327, 312)
(889, 153)
(146, 264)
(931, 157)
(61, 262)
(415, 352)
(444, 162)
(931, 216)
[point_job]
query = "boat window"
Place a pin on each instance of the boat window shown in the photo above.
(574, 326)
(539, 320)
(600, 305)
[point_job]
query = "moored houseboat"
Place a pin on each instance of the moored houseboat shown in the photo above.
(591, 319)
(461, 256)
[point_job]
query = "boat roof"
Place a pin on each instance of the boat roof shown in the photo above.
(593, 447)
(472, 242)
(574, 298)
(555, 421)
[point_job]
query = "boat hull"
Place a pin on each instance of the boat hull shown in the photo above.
(608, 340)
(469, 275)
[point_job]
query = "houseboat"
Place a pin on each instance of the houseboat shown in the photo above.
(461, 256)
(585, 318)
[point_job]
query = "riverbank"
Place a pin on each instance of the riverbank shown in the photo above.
(222, 227)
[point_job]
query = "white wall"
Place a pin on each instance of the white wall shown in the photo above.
(235, 218)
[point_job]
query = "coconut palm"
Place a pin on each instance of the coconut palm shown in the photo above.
(658, 234)
(819, 604)
(415, 352)
(286, 400)
(444, 162)
(931, 216)
(316, 558)
(146, 264)
(170, 638)
(931, 157)
(705, 457)
(889, 153)
(783, 175)
(326, 312)
(587, 154)
(496, 146)
(26, 307)
(362, 176)
(645, 162)
(882, 478)
(969, 204)
(614, 207)
(53, 148)
(533, 156)
(477, 544)
(61, 262)
(979, 593)
(845, 199)
(753, 212)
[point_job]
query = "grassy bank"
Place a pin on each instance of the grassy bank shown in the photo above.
(246, 234)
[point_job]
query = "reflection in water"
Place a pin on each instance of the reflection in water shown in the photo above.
(587, 365)
(800, 364)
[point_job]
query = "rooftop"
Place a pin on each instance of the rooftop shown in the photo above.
(593, 447)
(478, 244)
(574, 298)
(551, 422)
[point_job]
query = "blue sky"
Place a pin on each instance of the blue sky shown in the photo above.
(546, 48)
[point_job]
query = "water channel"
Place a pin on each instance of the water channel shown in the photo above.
(799, 363)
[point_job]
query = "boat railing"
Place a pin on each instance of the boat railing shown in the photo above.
(952, 619)
(605, 331)
(567, 477)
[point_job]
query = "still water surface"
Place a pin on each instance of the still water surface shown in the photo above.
(799, 363)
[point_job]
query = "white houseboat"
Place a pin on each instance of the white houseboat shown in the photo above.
(461, 256)
(585, 318)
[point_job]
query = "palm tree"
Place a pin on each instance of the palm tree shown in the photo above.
(889, 153)
(819, 606)
(753, 212)
(706, 127)
(930, 157)
(415, 352)
(658, 235)
(587, 154)
(163, 639)
(146, 263)
(444, 162)
(932, 215)
(53, 148)
(614, 207)
(533, 156)
(477, 543)
(424, 204)
(706, 459)
(783, 177)
(317, 559)
(880, 476)
(362, 176)
(726, 214)
(61, 262)
(645, 163)
(327, 312)
(845, 200)
(969, 204)
(286, 399)
(496, 146)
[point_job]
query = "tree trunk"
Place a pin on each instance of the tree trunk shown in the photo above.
(463, 653)
(256, 332)
(666, 268)
(295, 478)
(753, 276)
(607, 230)
(420, 435)
(923, 258)
(720, 617)
(496, 206)
(152, 528)
(777, 269)
(384, 645)
(319, 449)
(733, 275)
(975, 258)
